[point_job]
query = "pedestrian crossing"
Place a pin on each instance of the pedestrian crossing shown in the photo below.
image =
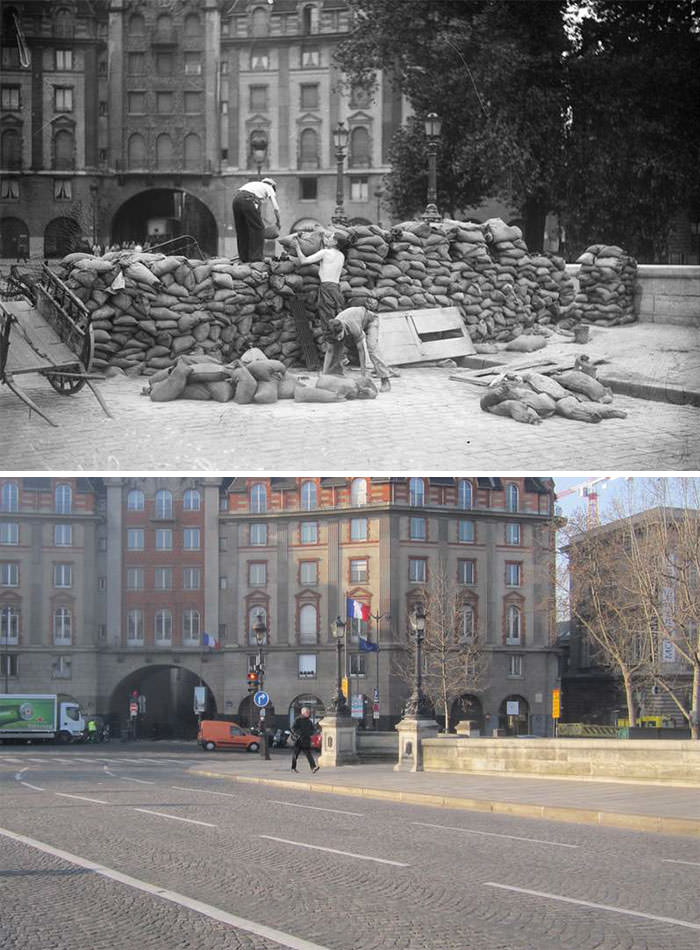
(116, 758)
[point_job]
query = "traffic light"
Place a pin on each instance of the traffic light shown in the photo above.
(253, 681)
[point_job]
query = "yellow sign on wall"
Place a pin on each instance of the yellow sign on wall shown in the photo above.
(344, 686)
(556, 703)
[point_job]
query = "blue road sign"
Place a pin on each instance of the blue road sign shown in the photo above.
(261, 698)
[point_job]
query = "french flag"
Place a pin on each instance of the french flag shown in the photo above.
(209, 640)
(356, 610)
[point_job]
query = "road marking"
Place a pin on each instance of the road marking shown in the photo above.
(35, 787)
(40, 761)
(336, 811)
(493, 834)
(141, 781)
(580, 903)
(694, 864)
(209, 791)
(347, 854)
(191, 821)
(207, 910)
(82, 798)
(18, 775)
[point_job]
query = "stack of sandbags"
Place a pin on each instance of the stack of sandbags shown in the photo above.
(606, 286)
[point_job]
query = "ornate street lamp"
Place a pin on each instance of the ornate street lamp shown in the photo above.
(377, 620)
(433, 124)
(340, 141)
(260, 631)
(339, 704)
(417, 706)
(379, 194)
(259, 144)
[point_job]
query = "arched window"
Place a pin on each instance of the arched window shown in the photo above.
(136, 151)
(164, 504)
(61, 625)
(193, 25)
(190, 625)
(63, 499)
(14, 236)
(164, 151)
(358, 491)
(258, 497)
(9, 497)
(253, 613)
(358, 156)
(61, 237)
(163, 627)
(164, 26)
(192, 151)
(63, 156)
(513, 624)
(137, 25)
(308, 149)
(512, 497)
(308, 624)
(467, 622)
(10, 149)
(192, 500)
(416, 492)
(308, 20)
(134, 627)
(259, 23)
(63, 23)
(464, 493)
(309, 496)
(134, 500)
(9, 625)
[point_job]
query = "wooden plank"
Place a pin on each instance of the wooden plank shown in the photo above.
(419, 336)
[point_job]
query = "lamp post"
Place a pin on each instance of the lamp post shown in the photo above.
(433, 125)
(338, 705)
(379, 194)
(258, 145)
(695, 231)
(260, 631)
(417, 706)
(377, 620)
(93, 202)
(340, 141)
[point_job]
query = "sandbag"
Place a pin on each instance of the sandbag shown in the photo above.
(571, 408)
(266, 392)
(270, 220)
(527, 343)
(252, 354)
(245, 386)
(199, 391)
(171, 387)
(209, 373)
(221, 391)
(266, 370)
(286, 387)
(545, 384)
(516, 410)
(342, 385)
(579, 382)
(311, 394)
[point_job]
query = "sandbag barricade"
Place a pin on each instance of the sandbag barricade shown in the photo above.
(607, 279)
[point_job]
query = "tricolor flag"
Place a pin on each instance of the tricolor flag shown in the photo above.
(209, 640)
(356, 610)
(367, 646)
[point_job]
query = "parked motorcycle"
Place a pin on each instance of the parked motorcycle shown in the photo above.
(280, 739)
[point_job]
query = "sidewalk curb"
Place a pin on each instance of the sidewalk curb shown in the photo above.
(687, 827)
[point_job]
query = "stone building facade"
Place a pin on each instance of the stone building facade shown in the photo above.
(158, 563)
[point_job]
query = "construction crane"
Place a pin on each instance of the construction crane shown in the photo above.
(588, 491)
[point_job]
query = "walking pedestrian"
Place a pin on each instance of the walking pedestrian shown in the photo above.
(247, 219)
(331, 259)
(302, 730)
(361, 326)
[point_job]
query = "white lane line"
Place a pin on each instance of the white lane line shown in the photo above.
(83, 761)
(40, 761)
(191, 821)
(107, 772)
(207, 910)
(18, 775)
(493, 834)
(209, 791)
(119, 760)
(35, 787)
(82, 798)
(141, 781)
(6, 758)
(580, 903)
(694, 864)
(347, 854)
(336, 811)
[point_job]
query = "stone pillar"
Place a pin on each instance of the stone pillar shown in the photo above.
(339, 741)
(412, 732)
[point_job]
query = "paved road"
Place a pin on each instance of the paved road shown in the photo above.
(108, 847)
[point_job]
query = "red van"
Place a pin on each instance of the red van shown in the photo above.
(217, 734)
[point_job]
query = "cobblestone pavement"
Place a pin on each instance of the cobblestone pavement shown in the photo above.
(426, 422)
(317, 869)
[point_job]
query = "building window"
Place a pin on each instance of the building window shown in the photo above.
(164, 102)
(10, 149)
(416, 529)
(134, 628)
(191, 500)
(193, 26)
(193, 102)
(359, 570)
(513, 533)
(309, 496)
(134, 500)
(307, 666)
(309, 95)
(310, 58)
(359, 189)
(358, 152)
(102, 583)
(8, 665)
(358, 664)
(513, 574)
(258, 534)
(464, 493)
(9, 574)
(164, 504)
(467, 622)
(308, 189)
(308, 624)
(308, 573)
(63, 98)
(163, 578)
(223, 582)
(10, 99)
(61, 625)
(258, 497)
(190, 626)
(9, 497)
(512, 497)
(309, 532)
(164, 64)
(63, 499)
(62, 189)
(134, 539)
(515, 664)
(358, 492)
(62, 575)
(308, 149)
(258, 98)
(9, 625)
(136, 64)
(136, 103)
(416, 492)
(134, 578)
(466, 532)
(164, 539)
(259, 59)
(191, 578)
(257, 574)
(193, 64)
(163, 626)
(513, 624)
(191, 539)
(9, 188)
(466, 571)
(63, 535)
(417, 570)
(358, 529)
(9, 532)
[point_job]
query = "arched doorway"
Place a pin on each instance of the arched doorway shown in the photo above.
(62, 236)
(162, 214)
(514, 715)
(165, 701)
(318, 710)
(14, 237)
(467, 706)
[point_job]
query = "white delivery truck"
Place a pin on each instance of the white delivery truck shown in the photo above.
(35, 716)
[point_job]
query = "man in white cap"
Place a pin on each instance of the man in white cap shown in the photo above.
(250, 230)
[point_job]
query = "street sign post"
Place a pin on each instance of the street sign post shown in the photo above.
(200, 699)
(556, 703)
(261, 698)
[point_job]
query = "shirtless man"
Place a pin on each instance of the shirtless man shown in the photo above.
(331, 259)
